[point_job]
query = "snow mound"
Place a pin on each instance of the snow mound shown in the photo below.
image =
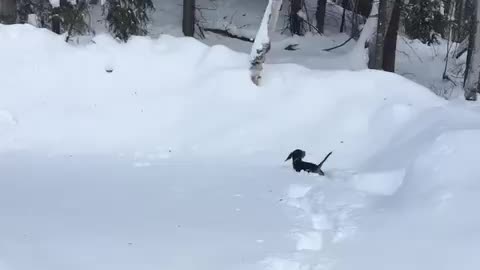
(179, 94)
(446, 168)
(6, 118)
(423, 218)
(381, 183)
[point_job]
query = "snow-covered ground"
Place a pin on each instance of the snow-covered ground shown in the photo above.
(89, 212)
(174, 160)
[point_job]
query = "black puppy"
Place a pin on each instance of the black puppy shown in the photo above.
(300, 165)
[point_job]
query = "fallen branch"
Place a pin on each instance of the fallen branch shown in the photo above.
(291, 47)
(462, 48)
(445, 77)
(226, 33)
(412, 49)
(340, 45)
(312, 26)
(306, 15)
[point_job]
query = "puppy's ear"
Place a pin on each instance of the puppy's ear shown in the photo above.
(289, 156)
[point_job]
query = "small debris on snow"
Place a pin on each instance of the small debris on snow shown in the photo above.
(291, 47)
(142, 164)
(309, 241)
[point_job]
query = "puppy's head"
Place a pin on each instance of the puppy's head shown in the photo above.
(297, 154)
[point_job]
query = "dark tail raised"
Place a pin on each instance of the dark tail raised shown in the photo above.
(323, 161)
(289, 156)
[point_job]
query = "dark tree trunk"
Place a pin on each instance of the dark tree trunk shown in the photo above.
(8, 11)
(385, 10)
(354, 31)
(56, 21)
(296, 22)
(390, 48)
(342, 24)
(188, 23)
(368, 34)
(472, 74)
(320, 14)
(471, 40)
(382, 28)
(364, 7)
(460, 20)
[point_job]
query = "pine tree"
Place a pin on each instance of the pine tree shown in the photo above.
(128, 17)
(320, 14)
(423, 19)
(8, 11)
(68, 17)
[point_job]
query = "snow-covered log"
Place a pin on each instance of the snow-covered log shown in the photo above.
(261, 46)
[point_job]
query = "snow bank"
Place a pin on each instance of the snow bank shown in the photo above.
(176, 95)
(411, 202)
(430, 222)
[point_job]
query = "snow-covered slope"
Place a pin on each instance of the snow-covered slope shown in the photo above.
(174, 160)
(177, 94)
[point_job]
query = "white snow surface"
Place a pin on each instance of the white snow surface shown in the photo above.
(55, 3)
(174, 160)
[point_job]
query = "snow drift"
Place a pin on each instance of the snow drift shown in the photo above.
(177, 94)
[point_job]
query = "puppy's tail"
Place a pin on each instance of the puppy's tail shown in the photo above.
(323, 161)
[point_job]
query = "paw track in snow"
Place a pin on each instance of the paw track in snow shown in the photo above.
(7, 118)
(329, 208)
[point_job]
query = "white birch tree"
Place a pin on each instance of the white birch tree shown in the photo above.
(261, 45)
(366, 42)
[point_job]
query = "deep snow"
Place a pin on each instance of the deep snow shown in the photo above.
(174, 160)
(98, 213)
